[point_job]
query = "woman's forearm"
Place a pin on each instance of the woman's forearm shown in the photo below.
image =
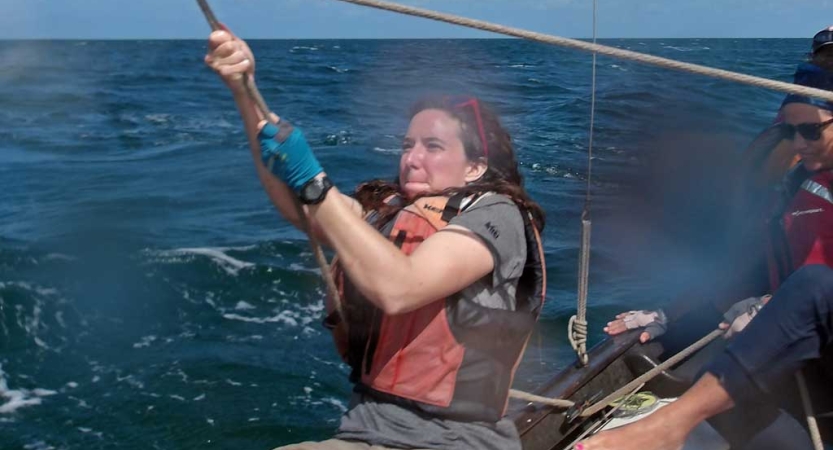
(374, 265)
(279, 193)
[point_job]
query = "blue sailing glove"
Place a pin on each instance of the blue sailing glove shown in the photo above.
(291, 160)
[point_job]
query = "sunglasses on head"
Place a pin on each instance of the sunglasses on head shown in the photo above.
(463, 102)
(809, 131)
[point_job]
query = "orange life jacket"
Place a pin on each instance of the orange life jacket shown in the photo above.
(450, 358)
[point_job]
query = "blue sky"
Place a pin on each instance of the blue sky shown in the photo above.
(282, 19)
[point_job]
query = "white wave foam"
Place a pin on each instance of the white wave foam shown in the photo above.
(284, 317)
(387, 151)
(43, 392)
(19, 398)
(29, 287)
(298, 267)
(301, 317)
(308, 399)
(158, 118)
(59, 257)
(81, 402)
(685, 49)
(335, 402)
(41, 344)
(243, 306)
(145, 342)
(31, 323)
(179, 373)
(230, 265)
(131, 381)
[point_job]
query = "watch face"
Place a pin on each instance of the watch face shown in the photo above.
(313, 190)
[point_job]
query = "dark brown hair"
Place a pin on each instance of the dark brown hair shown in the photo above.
(502, 175)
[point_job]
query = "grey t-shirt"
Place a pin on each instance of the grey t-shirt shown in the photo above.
(496, 220)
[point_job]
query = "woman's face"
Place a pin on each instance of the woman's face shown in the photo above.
(816, 154)
(434, 158)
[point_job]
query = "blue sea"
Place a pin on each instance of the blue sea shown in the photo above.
(152, 298)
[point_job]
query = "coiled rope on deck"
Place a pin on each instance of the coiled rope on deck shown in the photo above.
(598, 48)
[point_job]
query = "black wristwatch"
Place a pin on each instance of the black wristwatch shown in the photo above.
(315, 190)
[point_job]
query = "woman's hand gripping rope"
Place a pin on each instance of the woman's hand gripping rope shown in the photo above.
(284, 149)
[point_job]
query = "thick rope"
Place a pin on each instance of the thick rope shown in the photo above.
(628, 388)
(592, 120)
(254, 94)
(556, 402)
(577, 331)
(812, 424)
(577, 335)
(604, 420)
(600, 49)
(644, 378)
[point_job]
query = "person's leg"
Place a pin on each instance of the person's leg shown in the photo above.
(740, 425)
(791, 330)
(785, 433)
(794, 327)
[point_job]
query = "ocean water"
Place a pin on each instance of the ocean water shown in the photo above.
(150, 296)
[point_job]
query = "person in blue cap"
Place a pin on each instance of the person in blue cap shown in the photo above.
(819, 62)
(822, 50)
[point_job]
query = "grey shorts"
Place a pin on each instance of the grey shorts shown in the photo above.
(334, 444)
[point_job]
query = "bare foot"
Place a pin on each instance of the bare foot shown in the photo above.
(667, 428)
(650, 433)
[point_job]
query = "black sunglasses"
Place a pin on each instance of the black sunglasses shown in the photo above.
(809, 131)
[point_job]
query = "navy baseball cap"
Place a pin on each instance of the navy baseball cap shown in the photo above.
(823, 38)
